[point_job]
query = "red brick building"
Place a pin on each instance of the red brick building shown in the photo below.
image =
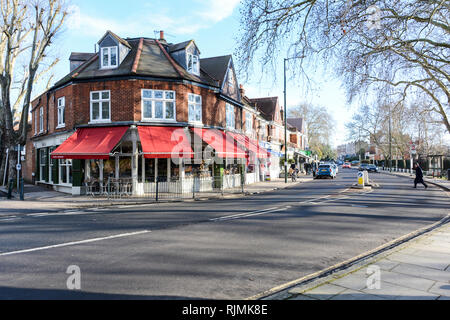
(123, 110)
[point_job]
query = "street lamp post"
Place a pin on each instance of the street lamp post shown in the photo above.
(390, 140)
(285, 125)
(285, 118)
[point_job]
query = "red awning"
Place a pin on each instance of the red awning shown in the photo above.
(165, 142)
(90, 143)
(224, 145)
(250, 144)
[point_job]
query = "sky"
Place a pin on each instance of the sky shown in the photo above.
(213, 24)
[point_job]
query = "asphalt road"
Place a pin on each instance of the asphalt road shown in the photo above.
(221, 249)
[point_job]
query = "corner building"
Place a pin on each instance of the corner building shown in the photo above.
(133, 110)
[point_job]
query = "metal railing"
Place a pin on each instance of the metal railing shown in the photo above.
(161, 188)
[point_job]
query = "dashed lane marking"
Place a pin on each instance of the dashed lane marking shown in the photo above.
(67, 244)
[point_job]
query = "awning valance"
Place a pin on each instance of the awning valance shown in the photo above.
(224, 146)
(90, 143)
(250, 144)
(164, 142)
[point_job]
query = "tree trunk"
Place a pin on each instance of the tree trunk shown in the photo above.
(2, 163)
(12, 161)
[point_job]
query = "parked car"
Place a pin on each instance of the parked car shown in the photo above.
(363, 166)
(355, 163)
(372, 168)
(326, 170)
(346, 165)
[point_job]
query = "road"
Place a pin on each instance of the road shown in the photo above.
(218, 249)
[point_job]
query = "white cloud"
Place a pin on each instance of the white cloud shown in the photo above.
(217, 10)
(206, 13)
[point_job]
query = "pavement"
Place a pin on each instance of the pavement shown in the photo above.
(417, 267)
(417, 270)
(442, 182)
(41, 198)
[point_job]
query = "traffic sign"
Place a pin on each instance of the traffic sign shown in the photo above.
(18, 167)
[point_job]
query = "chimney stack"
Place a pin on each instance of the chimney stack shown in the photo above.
(241, 89)
(161, 35)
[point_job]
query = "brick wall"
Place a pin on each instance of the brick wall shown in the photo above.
(125, 100)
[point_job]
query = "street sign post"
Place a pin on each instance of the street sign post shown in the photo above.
(412, 153)
(361, 179)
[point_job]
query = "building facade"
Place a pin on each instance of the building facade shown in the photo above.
(143, 109)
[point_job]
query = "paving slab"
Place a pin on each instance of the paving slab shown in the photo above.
(423, 272)
(324, 292)
(302, 297)
(394, 292)
(355, 295)
(441, 288)
(355, 281)
(436, 263)
(407, 281)
(386, 264)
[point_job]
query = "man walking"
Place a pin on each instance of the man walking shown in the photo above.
(419, 176)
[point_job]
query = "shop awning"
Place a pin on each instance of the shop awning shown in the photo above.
(250, 144)
(165, 142)
(90, 143)
(224, 146)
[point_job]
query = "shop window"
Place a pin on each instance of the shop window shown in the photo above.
(65, 171)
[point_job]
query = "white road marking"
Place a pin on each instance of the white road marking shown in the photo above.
(248, 214)
(65, 213)
(67, 244)
(253, 214)
(359, 206)
(9, 218)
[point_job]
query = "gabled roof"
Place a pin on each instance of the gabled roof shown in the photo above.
(153, 61)
(181, 46)
(80, 56)
(216, 67)
(115, 36)
(297, 123)
(267, 107)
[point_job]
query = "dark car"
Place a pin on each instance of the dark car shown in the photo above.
(363, 166)
(372, 168)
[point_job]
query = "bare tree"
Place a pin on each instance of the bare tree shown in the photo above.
(28, 29)
(371, 44)
(320, 126)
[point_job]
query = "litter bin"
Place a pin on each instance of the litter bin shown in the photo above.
(448, 174)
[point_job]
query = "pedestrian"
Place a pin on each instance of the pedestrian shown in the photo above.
(419, 176)
(307, 168)
(292, 172)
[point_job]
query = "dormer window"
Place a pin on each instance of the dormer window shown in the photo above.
(193, 64)
(109, 57)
